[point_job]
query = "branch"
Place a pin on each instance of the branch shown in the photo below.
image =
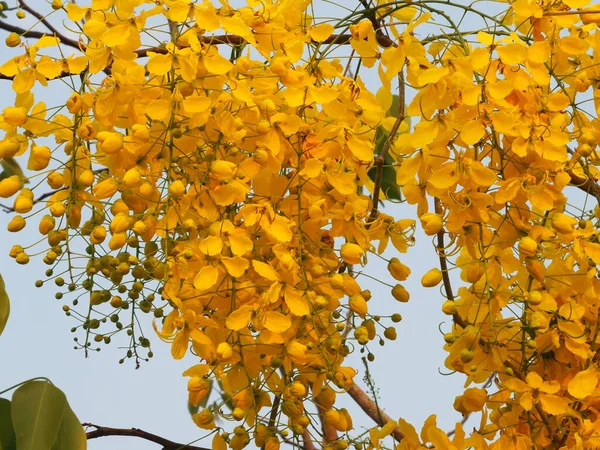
(588, 185)
(329, 433)
(136, 432)
(44, 196)
(372, 410)
(63, 39)
(379, 162)
(307, 441)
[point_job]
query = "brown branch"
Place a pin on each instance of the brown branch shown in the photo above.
(307, 441)
(136, 432)
(588, 185)
(44, 196)
(63, 39)
(329, 432)
(368, 405)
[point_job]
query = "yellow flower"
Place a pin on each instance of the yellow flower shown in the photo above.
(352, 253)
(431, 223)
(400, 293)
(15, 115)
(398, 270)
(432, 278)
(9, 186)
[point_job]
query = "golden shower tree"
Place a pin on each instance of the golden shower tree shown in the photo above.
(221, 166)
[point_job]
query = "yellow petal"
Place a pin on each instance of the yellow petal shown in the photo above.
(584, 383)
(235, 266)
(554, 404)
(297, 303)
(320, 32)
(472, 132)
(206, 278)
(277, 322)
(265, 270)
(239, 318)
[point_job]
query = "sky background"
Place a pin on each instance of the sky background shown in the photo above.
(37, 342)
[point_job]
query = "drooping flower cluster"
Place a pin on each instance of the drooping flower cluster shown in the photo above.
(232, 196)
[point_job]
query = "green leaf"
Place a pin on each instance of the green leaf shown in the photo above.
(7, 433)
(11, 167)
(37, 412)
(71, 435)
(4, 305)
(3, 7)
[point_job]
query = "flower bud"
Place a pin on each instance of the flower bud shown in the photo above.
(432, 278)
(352, 253)
(431, 223)
(398, 270)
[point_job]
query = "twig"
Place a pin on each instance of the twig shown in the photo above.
(136, 432)
(372, 410)
(63, 39)
(307, 441)
(379, 162)
(44, 196)
(329, 432)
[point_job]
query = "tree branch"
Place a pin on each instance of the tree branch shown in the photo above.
(63, 39)
(136, 432)
(372, 410)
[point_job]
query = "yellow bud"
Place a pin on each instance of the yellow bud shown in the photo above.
(14, 115)
(98, 235)
(132, 178)
(352, 253)
(22, 258)
(86, 178)
(432, 278)
(47, 224)
(106, 188)
(260, 156)
(13, 40)
(466, 355)
(121, 222)
(57, 209)
(222, 170)
(204, 419)
(449, 307)
(297, 389)
(23, 204)
(337, 281)
(398, 270)
(39, 157)
(177, 189)
(358, 304)
(109, 142)
(141, 134)
(224, 350)
(117, 241)
(57, 4)
(17, 223)
(9, 186)
(9, 147)
(15, 250)
(527, 246)
(74, 103)
(473, 272)
(55, 180)
(272, 443)
(238, 413)
(563, 223)
(431, 223)
(400, 293)
(536, 269)
(20, 14)
(535, 298)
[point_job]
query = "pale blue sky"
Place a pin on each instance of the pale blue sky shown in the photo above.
(37, 342)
